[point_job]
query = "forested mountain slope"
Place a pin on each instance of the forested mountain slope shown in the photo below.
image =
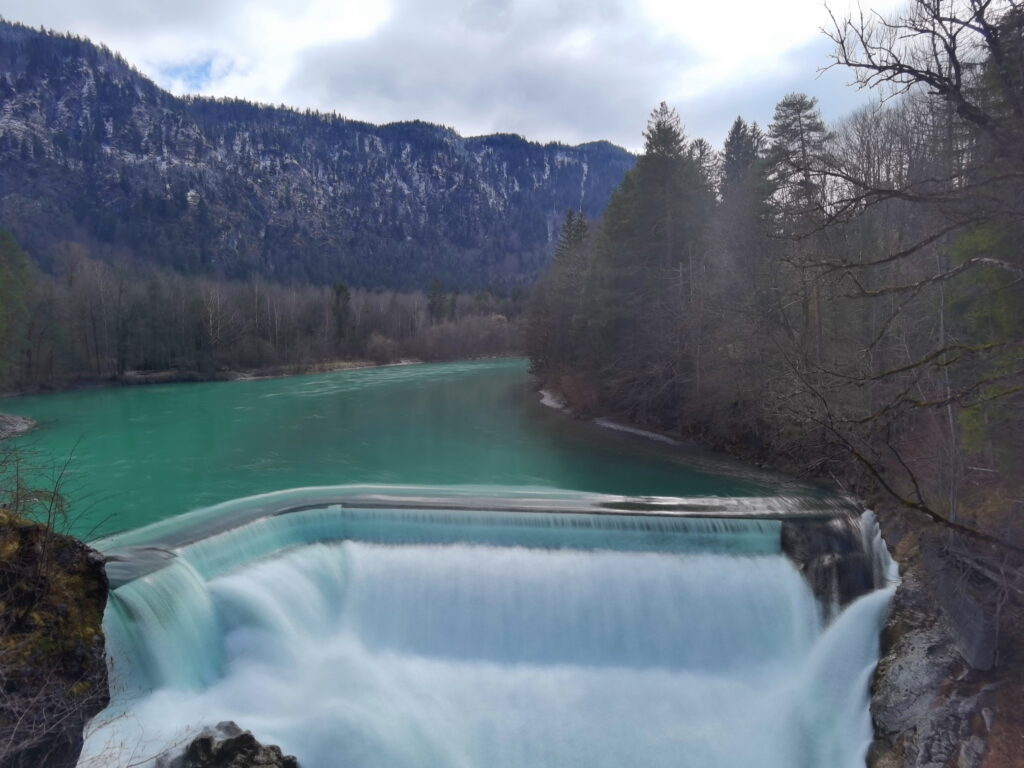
(92, 152)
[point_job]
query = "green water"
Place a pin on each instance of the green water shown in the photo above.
(142, 454)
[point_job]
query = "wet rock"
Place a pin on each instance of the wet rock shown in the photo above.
(830, 555)
(228, 746)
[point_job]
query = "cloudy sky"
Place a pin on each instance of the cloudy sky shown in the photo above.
(567, 70)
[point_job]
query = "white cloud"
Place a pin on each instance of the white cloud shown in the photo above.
(572, 70)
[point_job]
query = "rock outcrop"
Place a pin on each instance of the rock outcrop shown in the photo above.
(228, 746)
(53, 673)
(830, 554)
(933, 708)
(14, 425)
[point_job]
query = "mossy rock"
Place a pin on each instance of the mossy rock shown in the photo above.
(53, 591)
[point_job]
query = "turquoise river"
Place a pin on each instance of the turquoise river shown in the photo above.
(423, 566)
(144, 453)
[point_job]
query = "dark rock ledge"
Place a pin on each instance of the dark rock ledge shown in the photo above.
(227, 746)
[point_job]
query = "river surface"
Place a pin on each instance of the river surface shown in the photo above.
(144, 453)
(358, 626)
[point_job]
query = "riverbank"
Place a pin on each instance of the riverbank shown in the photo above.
(11, 426)
(189, 375)
(949, 686)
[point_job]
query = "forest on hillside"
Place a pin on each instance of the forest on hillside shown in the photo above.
(92, 321)
(847, 300)
(95, 155)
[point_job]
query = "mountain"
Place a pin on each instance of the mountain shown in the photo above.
(94, 153)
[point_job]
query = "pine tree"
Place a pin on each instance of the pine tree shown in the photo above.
(648, 260)
(798, 147)
(342, 310)
(738, 156)
(664, 135)
(437, 304)
(574, 233)
(798, 138)
(555, 317)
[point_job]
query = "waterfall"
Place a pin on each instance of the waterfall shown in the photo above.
(395, 638)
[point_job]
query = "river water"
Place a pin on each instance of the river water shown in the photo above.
(375, 635)
(145, 453)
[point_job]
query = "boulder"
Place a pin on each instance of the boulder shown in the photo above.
(227, 746)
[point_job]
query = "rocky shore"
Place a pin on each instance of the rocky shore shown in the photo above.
(273, 372)
(949, 688)
(186, 375)
(14, 425)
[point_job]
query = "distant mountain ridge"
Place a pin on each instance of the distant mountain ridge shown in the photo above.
(93, 152)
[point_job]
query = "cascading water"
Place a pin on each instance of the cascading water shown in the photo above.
(393, 638)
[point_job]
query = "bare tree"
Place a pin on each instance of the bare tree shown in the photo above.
(940, 294)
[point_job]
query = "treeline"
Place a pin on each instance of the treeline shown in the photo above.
(93, 320)
(848, 301)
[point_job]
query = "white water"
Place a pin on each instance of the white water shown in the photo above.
(468, 649)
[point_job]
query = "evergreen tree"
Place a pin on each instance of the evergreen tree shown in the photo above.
(437, 304)
(798, 138)
(664, 135)
(342, 310)
(555, 316)
(704, 160)
(649, 256)
(14, 285)
(453, 305)
(739, 154)
(574, 233)
(796, 155)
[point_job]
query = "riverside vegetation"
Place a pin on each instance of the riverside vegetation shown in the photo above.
(92, 321)
(845, 302)
(53, 591)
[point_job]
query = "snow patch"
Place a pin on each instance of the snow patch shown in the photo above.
(609, 424)
(551, 400)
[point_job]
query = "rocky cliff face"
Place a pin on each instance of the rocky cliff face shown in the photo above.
(93, 152)
(53, 673)
(937, 703)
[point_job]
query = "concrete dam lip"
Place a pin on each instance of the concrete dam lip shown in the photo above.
(137, 553)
